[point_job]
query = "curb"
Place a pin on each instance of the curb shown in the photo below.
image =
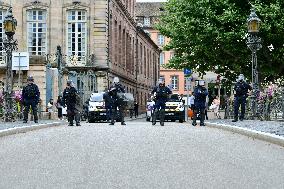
(16, 130)
(275, 139)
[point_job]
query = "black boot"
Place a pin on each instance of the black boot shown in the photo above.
(154, 117)
(235, 119)
(162, 117)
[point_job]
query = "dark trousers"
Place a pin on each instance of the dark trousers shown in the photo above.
(108, 112)
(73, 114)
(114, 113)
(136, 112)
(159, 108)
(239, 101)
(201, 111)
(27, 106)
(59, 112)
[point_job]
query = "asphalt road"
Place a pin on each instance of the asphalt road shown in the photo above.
(138, 155)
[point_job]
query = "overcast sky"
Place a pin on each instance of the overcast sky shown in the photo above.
(150, 0)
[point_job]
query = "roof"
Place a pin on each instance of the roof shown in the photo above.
(148, 9)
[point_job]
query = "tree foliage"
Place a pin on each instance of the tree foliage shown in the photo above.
(210, 35)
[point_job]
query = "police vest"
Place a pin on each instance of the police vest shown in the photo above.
(162, 92)
(31, 91)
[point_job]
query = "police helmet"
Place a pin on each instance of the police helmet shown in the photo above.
(201, 82)
(161, 82)
(115, 80)
(69, 82)
(30, 78)
(241, 77)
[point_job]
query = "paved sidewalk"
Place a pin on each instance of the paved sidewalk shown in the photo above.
(8, 125)
(10, 128)
(272, 127)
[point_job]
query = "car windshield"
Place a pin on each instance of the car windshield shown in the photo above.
(174, 98)
(97, 97)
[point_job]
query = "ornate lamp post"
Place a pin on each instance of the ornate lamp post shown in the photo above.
(10, 45)
(253, 43)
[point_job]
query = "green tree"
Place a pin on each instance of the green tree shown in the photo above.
(210, 35)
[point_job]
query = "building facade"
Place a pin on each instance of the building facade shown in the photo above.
(87, 41)
(147, 14)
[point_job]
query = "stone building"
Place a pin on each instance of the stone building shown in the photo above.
(97, 41)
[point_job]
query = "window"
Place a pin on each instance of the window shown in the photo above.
(147, 21)
(174, 82)
(77, 34)
(172, 55)
(36, 25)
(2, 35)
(162, 58)
(161, 39)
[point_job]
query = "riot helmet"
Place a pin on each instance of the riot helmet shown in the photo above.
(241, 78)
(161, 82)
(115, 80)
(30, 78)
(201, 82)
(69, 82)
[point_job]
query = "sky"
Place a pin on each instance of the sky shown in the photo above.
(150, 0)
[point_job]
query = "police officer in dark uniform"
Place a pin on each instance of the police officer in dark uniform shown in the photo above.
(200, 93)
(115, 90)
(108, 102)
(161, 94)
(31, 96)
(240, 92)
(70, 100)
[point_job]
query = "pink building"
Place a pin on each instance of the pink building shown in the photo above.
(148, 14)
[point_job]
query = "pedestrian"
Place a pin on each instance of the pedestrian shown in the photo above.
(215, 107)
(59, 106)
(116, 91)
(136, 106)
(191, 101)
(240, 94)
(31, 96)
(50, 108)
(161, 94)
(108, 102)
(206, 107)
(70, 98)
(200, 94)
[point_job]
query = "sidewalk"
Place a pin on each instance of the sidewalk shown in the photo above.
(270, 131)
(10, 128)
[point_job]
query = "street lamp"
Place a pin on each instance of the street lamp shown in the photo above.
(9, 45)
(253, 43)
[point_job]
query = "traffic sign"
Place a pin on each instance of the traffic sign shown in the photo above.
(187, 71)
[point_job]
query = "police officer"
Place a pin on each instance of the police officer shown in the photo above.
(108, 102)
(200, 93)
(31, 96)
(161, 94)
(115, 90)
(70, 100)
(240, 93)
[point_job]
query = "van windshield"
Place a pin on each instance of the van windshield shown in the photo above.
(97, 97)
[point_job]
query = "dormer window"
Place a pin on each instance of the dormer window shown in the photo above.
(147, 21)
